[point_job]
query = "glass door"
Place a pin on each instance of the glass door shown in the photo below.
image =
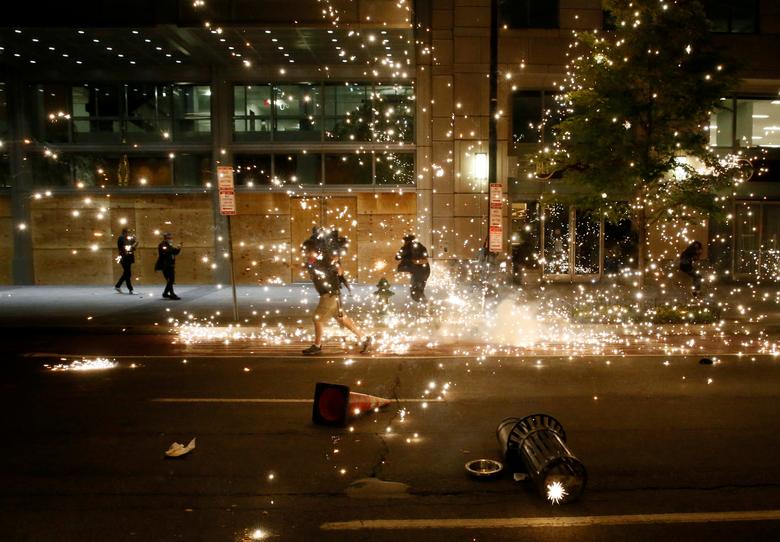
(770, 242)
(572, 243)
(557, 241)
(746, 252)
(587, 243)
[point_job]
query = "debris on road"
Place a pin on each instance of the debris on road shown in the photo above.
(536, 446)
(178, 450)
(484, 468)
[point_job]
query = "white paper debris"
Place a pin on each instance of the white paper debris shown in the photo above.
(177, 449)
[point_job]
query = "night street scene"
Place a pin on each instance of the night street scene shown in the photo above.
(382, 270)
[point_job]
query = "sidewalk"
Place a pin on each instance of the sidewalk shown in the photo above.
(101, 308)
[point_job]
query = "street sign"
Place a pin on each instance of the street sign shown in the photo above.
(496, 218)
(227, 191)
(227, 206)
(225, 178)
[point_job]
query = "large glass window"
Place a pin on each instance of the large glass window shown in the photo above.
(534, 112)
(133, 112)
(348, 168)
(48, 171)
(747, 239)
(252, 169)
(298, 111)
(298, 168)
(556, 239)
(252, 112)
(5, 166)
(192, 111)
(758, 123)
(393, 113)
(348, 112)
(721, 127)
(621, 246)
(358, 112)
(3, 112)
(148, 112)
(191, 169)
(95, 113)
(123, 170)
(394, 167)
(756, 120)
(770, 242)
(524, 237)
(586, 242)
(528, 13)
(733, 17)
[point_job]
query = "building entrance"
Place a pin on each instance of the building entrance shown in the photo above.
(572, 243)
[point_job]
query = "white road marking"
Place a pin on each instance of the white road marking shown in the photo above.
(263, 400)
(572, 521)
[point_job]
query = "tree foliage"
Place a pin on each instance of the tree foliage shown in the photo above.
(636, 104)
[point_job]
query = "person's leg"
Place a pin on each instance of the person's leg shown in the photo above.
(129, 273)
(697, 280)
(414, 290)
(346, 321)
(322, 313)
(123, 278)
(168, 283)
(318, 330)
(172, 281)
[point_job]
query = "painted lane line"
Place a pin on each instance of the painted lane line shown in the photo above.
(573, 521)
(262, 400)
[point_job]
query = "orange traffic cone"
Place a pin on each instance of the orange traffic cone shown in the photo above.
(334, 404)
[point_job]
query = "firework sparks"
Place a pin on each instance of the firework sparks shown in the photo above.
(556, 492)
(84, 364)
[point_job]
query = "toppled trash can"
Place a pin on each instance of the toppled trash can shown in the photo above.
(536, 445)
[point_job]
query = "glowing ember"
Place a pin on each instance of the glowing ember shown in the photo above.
(84, 364)
(556, 492)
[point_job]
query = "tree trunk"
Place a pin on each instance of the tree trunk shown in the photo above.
(641, 224)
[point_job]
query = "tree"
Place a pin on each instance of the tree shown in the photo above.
(636, 104)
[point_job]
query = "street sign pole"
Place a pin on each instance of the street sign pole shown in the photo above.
(227, 207)
(232, 269)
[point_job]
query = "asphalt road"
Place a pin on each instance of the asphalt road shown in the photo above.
(672, 448)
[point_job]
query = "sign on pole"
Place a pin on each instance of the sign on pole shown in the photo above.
(227, 191)
(227, 206)
(496, 219)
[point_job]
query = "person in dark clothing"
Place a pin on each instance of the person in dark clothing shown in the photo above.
(166, 262)
(413, 259)
(326, 275)
(688, 257)
(126, 244)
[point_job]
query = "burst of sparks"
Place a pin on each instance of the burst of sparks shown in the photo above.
(556, 492)
(84, 364)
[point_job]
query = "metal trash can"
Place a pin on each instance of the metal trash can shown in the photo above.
(536, 445)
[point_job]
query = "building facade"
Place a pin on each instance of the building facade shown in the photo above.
(371, 116)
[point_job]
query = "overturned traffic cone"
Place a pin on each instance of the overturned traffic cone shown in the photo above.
(334, 404)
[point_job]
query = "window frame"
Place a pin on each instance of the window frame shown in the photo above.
(756, 8)
(321, 119)
(276, 154)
